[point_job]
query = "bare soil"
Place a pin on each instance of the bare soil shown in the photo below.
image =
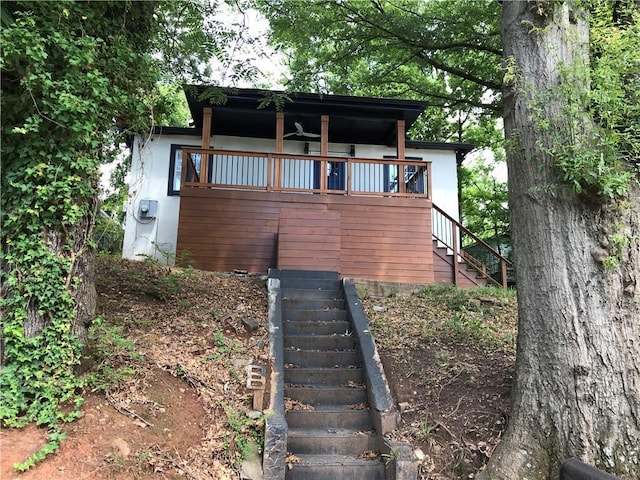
(167, 397)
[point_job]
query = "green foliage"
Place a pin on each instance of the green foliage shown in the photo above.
(108, 235)
(594, 139)
(391, 457)
(111, 353)
(172, 107)
(54, 438)
(615, 74)
(469, 328)
(484, 201)
(619, 241)
(248, 434)
(225, 347)
(71, 74)
(438, 51)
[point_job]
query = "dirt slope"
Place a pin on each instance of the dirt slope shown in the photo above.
(167, 400)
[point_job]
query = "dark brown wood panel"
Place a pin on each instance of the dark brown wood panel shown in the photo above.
(377, 238)
(300, 247)
(397, 247)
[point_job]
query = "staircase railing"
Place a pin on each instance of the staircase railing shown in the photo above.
(448, 232)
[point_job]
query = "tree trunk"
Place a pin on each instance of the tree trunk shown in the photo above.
(577, 387)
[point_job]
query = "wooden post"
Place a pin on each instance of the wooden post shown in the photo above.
(324, 150)
(207, 113)
(348, 169)
(279, 149)
(402, 187)
(503, 267)
(279, 132)
(206, 127)
(454, 245)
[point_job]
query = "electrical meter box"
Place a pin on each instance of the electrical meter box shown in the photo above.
(148, 209)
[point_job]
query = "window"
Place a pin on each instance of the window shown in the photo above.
(175, 168)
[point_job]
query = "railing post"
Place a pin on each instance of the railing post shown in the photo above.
(503, 268)
(400, 153)
(277, 182)
(324, 151)
(454, 242)
(270, 160)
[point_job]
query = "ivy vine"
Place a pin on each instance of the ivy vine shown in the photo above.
(73, 73)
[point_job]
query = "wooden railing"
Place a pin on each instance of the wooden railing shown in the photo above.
(284, 172)
(450, 234)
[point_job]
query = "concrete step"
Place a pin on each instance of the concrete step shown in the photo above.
(331, 417)
(323, 376)
(326, 395)
(311, 294)
(305, 304)
(319, 342)
(316, 328)
(310, 284)
(308, 274)
(335, 467)
(303, 441)
(324, 359)
(311, 315)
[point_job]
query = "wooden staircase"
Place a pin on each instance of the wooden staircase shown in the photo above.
(453, 265)
(331, 433)
(443, 269)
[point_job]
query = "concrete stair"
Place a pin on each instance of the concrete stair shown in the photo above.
(330, 429)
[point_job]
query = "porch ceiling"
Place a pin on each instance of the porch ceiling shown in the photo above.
(351, 119)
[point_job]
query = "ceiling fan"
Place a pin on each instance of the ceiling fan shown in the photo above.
(300, 132)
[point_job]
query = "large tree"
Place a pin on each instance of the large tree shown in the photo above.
(78, 78)
(575, 217)
(572, 120)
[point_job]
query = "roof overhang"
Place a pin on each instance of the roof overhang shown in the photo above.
(352, 120)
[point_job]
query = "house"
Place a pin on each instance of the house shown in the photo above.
(325, 183)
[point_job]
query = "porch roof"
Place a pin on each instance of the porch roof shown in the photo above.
(352, 120)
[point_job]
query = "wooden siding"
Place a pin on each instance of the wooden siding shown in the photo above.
(365, 237)
(309, 239)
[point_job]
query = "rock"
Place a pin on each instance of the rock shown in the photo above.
(379, 309)
(250, 324)
(241, 362)
(474, 303)
(254, 414)
(122, 447)
(404, 406)
(251, 468)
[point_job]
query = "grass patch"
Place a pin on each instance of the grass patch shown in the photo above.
(481, 318)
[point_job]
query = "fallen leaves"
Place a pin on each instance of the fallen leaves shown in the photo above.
(291, 460)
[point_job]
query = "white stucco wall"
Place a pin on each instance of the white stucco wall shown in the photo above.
(149, 180)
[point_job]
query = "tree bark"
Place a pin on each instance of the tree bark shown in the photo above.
(577, 387)
(80, 280)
